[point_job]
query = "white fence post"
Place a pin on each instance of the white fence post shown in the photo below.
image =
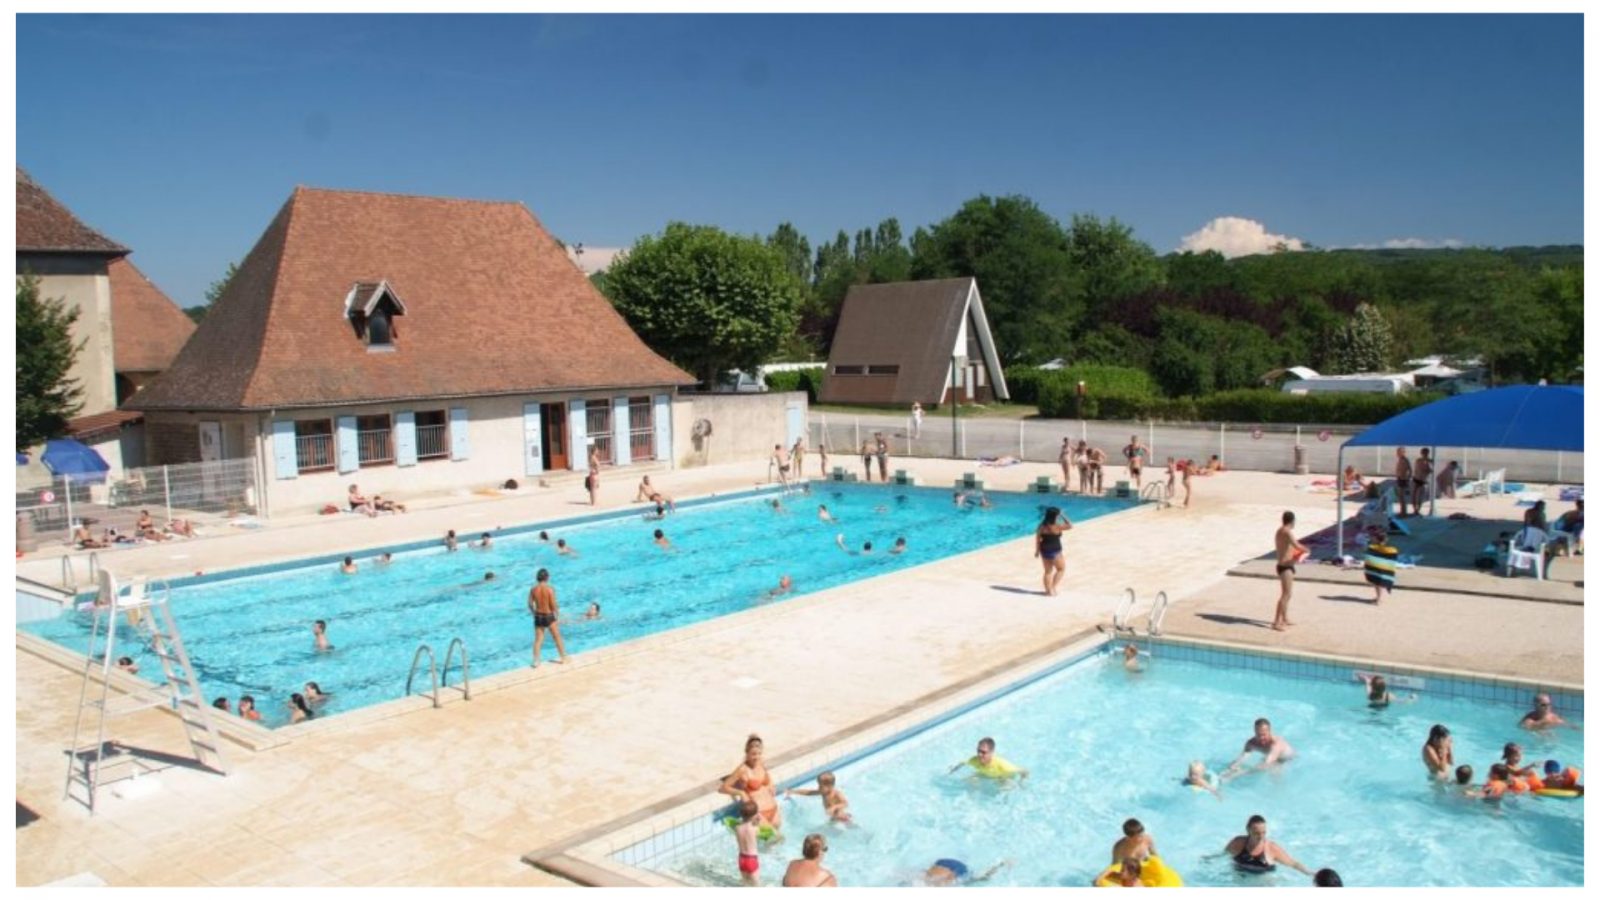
(1222, 442)
(961, 429)
(1151, 440)
(166, 490)
(66, 488)
(858, 434)
(1558, 466)
(1022, 443)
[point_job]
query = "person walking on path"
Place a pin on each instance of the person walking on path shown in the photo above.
(916, 419)
(1047, 548)
(1402, 478)
(591, 481)
(1289, 552)
(542, 603)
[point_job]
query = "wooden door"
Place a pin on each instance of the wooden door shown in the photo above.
(554, 418)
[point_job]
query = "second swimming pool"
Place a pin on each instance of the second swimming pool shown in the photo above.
(252, 635)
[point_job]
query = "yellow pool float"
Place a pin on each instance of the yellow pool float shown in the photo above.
(1152, 873)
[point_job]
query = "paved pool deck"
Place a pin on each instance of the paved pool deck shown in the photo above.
(455, 796)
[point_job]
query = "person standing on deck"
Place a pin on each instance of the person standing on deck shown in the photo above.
(1136, 454)
(1289, 552)
(1402, 478)
(1067, 464)
(883, 457)
(1420, 474)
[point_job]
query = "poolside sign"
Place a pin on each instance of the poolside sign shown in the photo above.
(1323, 435)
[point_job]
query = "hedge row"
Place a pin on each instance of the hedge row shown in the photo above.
(1057, 401)
(808, 380)
(1025, 382)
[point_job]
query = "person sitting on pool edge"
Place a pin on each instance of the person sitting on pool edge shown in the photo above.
(1253, 852)
(946, 872)
(1276, 750)
(990, 764)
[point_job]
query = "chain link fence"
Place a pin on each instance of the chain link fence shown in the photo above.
(1262, 448)
(193, 494)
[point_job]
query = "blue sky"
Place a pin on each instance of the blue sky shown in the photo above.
(180, 136)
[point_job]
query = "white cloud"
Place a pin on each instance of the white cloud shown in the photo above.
(1412, 243)
(1235, 236)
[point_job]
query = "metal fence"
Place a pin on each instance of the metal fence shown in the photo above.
(201, 494)
(1263, 448)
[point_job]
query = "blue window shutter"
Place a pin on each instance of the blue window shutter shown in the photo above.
(405, 438)
(578, 435)
(532, 439)
(460, 447)
(285, 461)
(663, 426)
(621, 453)
(349, 453)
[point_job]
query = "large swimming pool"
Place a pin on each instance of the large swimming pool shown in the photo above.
(252, 635)
(1104, 745)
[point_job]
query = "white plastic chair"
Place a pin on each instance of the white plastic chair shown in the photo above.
(1527, 551)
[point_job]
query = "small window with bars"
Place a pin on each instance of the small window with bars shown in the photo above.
(598, 415)
(374, 440)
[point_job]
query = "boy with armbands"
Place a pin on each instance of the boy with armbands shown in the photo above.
(1557, 778)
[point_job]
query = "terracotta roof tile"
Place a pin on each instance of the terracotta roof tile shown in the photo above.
(147, 328)
(85, 427)
(492, 306)
(45, 226)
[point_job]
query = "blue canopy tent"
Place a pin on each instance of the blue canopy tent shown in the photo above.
(65, 456)
(1523, 417)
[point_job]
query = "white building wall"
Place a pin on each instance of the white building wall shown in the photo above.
(84, 286)
(743, 426)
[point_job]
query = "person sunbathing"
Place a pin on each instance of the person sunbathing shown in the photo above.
(382, 505)
(85, 540)
(1352, 479)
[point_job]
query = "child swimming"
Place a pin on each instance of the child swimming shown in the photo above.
(1201, 779)
(833, 799)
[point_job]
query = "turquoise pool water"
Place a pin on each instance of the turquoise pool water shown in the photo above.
(1104, 745)
(252, 635)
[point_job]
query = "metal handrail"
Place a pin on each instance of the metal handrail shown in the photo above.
(69, 571)
(466, 668)
(433, 672)
(1155, 490)
(1119, 619)
(1158, 614)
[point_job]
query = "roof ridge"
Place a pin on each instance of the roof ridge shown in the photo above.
(306, 188)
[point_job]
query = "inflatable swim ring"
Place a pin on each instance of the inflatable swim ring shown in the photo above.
(1564, 793)
(1153, 873)
(765, 832)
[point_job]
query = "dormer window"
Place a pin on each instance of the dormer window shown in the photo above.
(371, 307)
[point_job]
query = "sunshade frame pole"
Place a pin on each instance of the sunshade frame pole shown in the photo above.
(1338, 525)
(1433, 485)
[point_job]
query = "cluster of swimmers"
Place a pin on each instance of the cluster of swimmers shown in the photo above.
(1511, 774)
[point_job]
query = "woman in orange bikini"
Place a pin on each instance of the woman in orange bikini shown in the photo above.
(750, 781)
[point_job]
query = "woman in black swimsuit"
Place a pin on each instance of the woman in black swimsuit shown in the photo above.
(1047, 548)
(1253, 852)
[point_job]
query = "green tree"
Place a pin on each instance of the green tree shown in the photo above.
(1197, 274)
(795, 250)
(1197, 354)
(1032, 290)
(212, 293)
(1112, 263)
(708, 300)
(46, 396)
(1364, 344)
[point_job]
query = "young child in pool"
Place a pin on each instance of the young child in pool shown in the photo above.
(747, 834)
(833, 799)
(1199, 777)
(1378, 695)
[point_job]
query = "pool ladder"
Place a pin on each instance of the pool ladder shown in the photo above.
(438, 678)
(69, 571)
(1122, 618)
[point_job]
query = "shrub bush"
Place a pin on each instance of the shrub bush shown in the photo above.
(1249, 405)
(1115, 385)
(808, 380)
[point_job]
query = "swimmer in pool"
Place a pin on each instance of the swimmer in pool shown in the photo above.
(1130, 659)
(989, 764)
(899, 546)
(319, 633)
(947, 872)
(1134, 844)
(1276, 750)
(1199, 777)
(1378, 695)
(1253, 852)
(661, 540)
(824, 515)
(785, 585)
(1438, 752)
(563, 550)
(833, 799)
(348, 567)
